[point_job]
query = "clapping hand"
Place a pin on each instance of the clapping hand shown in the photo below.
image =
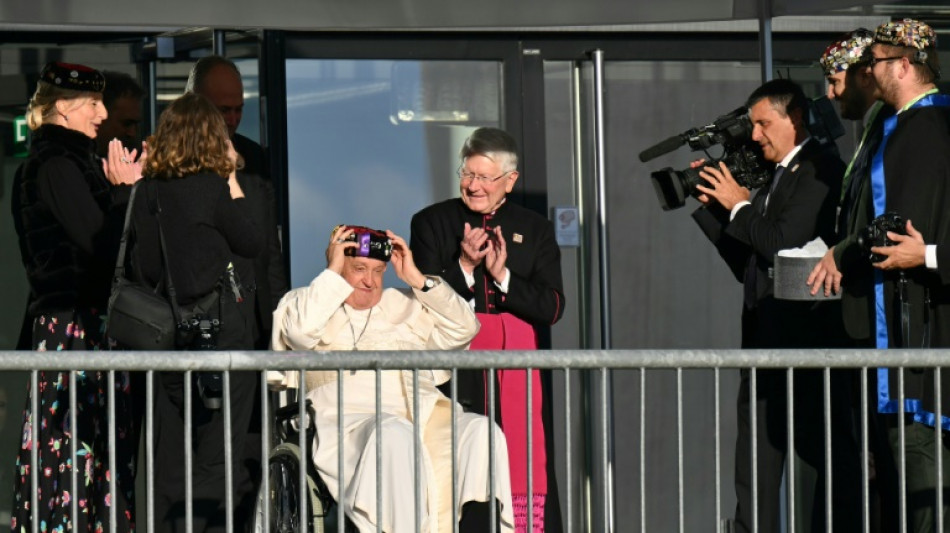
(121, 166)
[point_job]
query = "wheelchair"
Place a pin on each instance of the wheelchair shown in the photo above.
(283, 471)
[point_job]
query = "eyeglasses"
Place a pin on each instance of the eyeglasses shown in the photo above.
(465, 175)
(875, 60)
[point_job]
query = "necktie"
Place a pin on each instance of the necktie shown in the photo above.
(749, 282)
(779, 171)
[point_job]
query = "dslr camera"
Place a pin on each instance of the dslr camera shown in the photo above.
(201, 333)
(875, 234)
(741, 154)
(372, 243)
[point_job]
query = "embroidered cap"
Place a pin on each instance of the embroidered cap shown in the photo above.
(75, 77)
(846, 51)
(908, 32)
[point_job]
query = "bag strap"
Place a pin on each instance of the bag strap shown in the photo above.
(169, 287)
(120, 260)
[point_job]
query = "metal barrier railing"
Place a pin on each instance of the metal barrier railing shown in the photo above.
(601, 362)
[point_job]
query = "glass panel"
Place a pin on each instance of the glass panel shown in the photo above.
(172, 77)
(371, 142)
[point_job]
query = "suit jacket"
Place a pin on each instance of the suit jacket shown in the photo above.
(255, 161)
(263, 276)
(801, 207)
(535, 291)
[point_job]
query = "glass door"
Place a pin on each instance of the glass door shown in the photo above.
(372, 141)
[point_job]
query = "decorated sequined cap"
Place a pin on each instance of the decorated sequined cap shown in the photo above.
(846, 51)
(72, 76)
(908, 32)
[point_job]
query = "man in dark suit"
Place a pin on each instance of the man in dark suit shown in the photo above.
(504, 260)
(263, 279)
(797, 207)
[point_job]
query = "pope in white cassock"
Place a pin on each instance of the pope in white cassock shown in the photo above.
(346, 308)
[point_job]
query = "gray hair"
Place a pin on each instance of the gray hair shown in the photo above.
(493, 143)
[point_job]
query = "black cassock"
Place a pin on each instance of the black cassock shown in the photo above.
(535, 292)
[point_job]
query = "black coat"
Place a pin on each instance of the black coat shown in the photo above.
(263, 276)
(68, 219)
(203, 229)
(917, 178)
(535, 291)
(801, 208)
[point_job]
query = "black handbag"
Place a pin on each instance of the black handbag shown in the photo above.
(141, 317)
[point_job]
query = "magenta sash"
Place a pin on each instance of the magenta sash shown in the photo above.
(507, 332)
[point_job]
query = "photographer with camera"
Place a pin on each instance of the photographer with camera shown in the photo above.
(909, 181)
(191, 211)
(798, 206)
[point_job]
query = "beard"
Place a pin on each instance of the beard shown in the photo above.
(852, 105)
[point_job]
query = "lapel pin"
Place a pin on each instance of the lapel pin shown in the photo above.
(795, 168)
(517, 237)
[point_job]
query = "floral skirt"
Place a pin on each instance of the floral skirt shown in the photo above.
(68, 331)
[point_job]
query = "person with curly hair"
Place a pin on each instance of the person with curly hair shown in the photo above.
(192, 195)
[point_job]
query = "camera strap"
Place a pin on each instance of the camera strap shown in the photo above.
(904, 309)
(926, 339)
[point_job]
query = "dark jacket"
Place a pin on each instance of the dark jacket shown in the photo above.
(263, 276)
(203, 228)
(68, 219)
(535, 291)
(801, 208)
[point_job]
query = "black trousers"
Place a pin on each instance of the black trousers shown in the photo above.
(783, 324)
(207, 453)
(772, 449)
(207, 440)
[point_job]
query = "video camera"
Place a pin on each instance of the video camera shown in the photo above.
(741, 154)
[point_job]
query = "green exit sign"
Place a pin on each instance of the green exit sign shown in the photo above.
(20, 134)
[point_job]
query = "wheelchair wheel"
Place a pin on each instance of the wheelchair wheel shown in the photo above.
(283, 498)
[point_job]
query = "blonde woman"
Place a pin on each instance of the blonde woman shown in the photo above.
(67, 210)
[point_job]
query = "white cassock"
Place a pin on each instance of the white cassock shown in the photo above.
(315, 318)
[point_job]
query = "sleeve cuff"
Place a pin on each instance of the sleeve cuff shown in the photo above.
(503, 286)
(736, 208)
(930, 256)
(469, 278)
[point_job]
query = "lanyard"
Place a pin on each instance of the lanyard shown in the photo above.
(868, 126)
